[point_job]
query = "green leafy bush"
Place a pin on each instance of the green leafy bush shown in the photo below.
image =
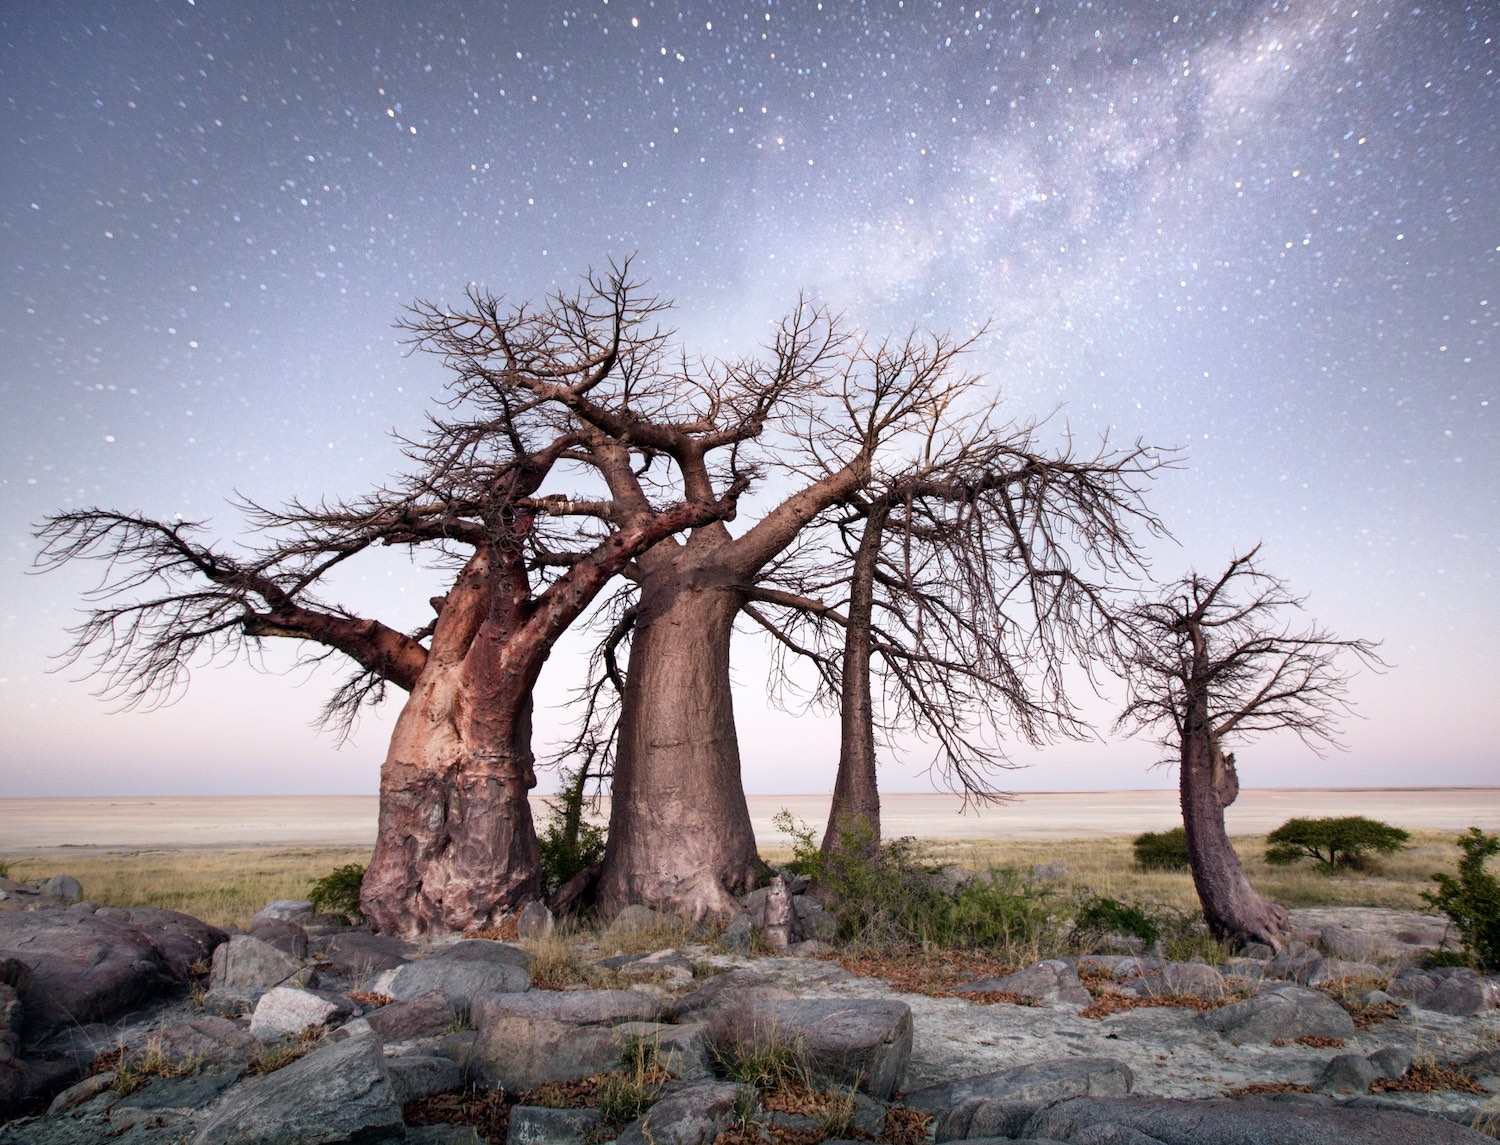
(890, 895)
(1472, 900)
(1161, 850)
(568, 842)
(337, 893)
(1100, 915)
(1346, 842)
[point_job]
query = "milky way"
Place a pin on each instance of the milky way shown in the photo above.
(1267, 233)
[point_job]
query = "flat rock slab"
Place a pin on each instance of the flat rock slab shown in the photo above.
(1032, 1082)
(339, 1092)
(1283, 1014)
(855, 1042)
(518, 1054)
(1250, 1121)
(424, 1016)
(460, 979)
(579, 1007)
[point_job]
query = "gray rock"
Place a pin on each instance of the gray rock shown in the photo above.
(726, 991)
(418, 1075)
(518, 1054)
(534, 1125)
(579, 1007)
(287, 937)
(780, 916)
(637, 917)
(1190, 978)
(1455, 990)
(1293, 962)
(175, 1099)
(424, 1016)
(684, 1051)
(1392, 1061)
(481, 950)
(184, 941)
(209, 1039)
(79, 1092)
(1347, 1073)
(1341, 942)
(1331, 971)
(445, 1135)
(244, 961)
(1029, 1084)
(358, 955)
(536, 921)
(979, 1118)
(339, 1092)
(694, 1115)
(62, 888)
(1051, 981)
(816, 922)
(1249, 1121)
(855, 1042)
(285, 1011)
(288, 910)
(460, 979)
(1289, 1013)
(1107, 1133)
(737, 936)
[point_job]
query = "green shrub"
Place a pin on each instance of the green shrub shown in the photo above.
(1345, 842)
(1100, 915)
(568, 842)
(4, 868)
(1472, 900)
(1161, 850)
(890, 895)
(337, 893)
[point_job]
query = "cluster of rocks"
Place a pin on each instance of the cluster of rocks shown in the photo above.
(379, 1023)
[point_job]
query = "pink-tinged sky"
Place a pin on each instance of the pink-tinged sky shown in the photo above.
(1266, 233)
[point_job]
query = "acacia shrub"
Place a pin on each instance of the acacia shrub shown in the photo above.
(1472, 900)
(1161, 850)
(337, 892)
(1345, 842)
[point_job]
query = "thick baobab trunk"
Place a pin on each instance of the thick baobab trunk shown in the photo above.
(679, 829)
(854, 817)
(455, 849)
(1232, 907)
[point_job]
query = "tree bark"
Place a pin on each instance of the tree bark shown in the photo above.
(854, 817)
(679, 832)
(1232, 907)
(455, 849)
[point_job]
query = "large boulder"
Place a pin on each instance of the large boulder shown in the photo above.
(82, 966)
(463, 972)
(424, 1016)
(843, 1041)
(579, 1007)
(1249, 1121)
(358, 955)
(339, 1092)
(1286, 1014)
(518, 1054)
(187, 943)
(1032, 1082)
(694, 1115)
(1455, 990)
(246, 962)
(286, 1012)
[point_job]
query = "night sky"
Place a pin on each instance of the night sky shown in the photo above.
(1268, 233)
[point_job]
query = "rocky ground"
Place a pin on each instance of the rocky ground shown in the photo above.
(302, 1030)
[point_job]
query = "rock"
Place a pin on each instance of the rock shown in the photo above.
(244, 961)
(79, 1092)
(1052, 981)
(339, 1092)
(169, 1101)
(460, 978)
(1453, 990)
(287, 910)
(726, 991)
(1392, 1061)
(1248, 1121)
(518, 1054)
(1110, 1134)
(1192, 979)
(285, 1011)
(1294, 959)
(637, 917)
(482, 950)
(80, 966)
(1347, 1073)
(1288, 1014)
(418, 1075)
(1341, 942)
(208, 1039)
(424, 1016)
(662, 966)
(61, 888)
(853, 1042)
(358, 955)
(1049, 872)
(694, 1115)
(816, 922)
(684, 1051)
(535, 921)
(534, 1125)
(738, 934)
(780, 918)
(1030, 1084)
(287, 937)
(1332, 971)
(578, 1007)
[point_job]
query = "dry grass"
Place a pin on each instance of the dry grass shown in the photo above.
(225, 888)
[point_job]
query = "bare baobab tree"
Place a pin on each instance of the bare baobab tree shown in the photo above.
(1215, 661)
(455, 847)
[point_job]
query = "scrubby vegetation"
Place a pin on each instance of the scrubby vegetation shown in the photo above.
(1337, 843)
(569, 841)
(1472, 899)
(1161, 850)
(337, 893)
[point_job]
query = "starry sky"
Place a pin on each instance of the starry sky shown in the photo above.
(1265, 232)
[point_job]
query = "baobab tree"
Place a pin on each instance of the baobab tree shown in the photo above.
(455, 847)
(1213, 662)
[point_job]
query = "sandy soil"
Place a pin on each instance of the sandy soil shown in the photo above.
(29, 826)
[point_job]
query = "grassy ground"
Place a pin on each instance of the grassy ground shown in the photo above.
(227, 887)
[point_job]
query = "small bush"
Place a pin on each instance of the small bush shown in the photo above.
(1346, 842)
(1100, 915)
(4, 868)
(1161, 850)
(568, 842)
(337, 893)
(890, 896)
(1472, 900)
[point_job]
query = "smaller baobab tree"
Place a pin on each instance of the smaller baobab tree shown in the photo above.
(1212, 662)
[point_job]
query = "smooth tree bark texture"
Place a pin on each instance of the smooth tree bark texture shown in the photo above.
(1213, 661)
